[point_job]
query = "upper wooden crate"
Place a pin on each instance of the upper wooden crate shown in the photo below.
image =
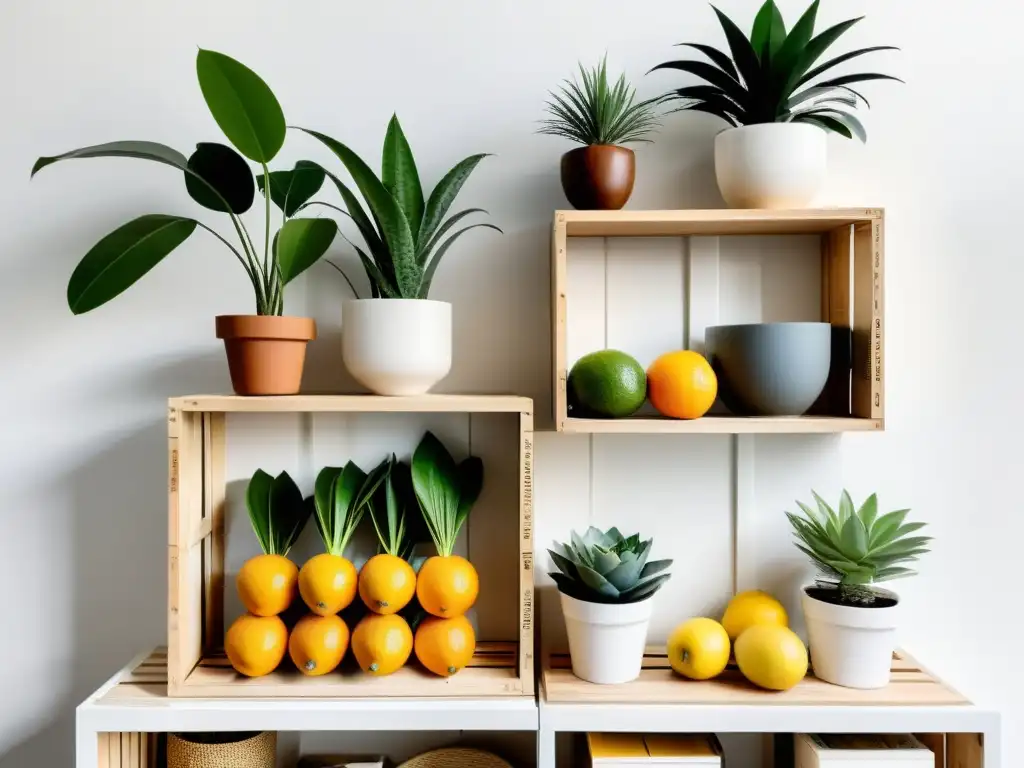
(848, 252)
(196, 666)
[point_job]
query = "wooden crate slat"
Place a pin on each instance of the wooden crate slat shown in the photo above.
(729, 425)
(354, 404)
(658, 684)
(685, 223)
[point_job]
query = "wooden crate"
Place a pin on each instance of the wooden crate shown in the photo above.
(851, 245)
(196, 666)
(911, 685)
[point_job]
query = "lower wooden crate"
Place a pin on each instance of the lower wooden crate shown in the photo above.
(911, 685)
(129, 750)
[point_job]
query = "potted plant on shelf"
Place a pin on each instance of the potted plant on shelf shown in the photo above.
(599, 175)
(399, 342)
(607, 588)
(778, 104)
(266, 351)
(852, 623)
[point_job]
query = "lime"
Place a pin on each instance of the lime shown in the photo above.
(606, 384)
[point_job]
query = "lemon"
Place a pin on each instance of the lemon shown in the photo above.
(699, 649)
(771, 656)
(749, 608)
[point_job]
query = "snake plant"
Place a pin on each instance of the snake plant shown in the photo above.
(599, 112)
(405, 231)
(770, 76)
(218, 178)
(855, 548)
(607, 567)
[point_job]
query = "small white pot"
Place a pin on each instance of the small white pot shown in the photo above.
(397, 346)
(606, 641)
(850, 646)
(771, 165)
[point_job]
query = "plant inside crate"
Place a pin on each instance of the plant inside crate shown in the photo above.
(219, 178)
(607, 585)
(854, 550)
(397, 342)
(601, 117)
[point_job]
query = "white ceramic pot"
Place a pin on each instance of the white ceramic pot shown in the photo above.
(397, 346)
(850, 646)
(771, 165)
(606, 641)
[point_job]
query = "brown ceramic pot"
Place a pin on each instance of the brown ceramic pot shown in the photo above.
(599, 177)
(265, 353)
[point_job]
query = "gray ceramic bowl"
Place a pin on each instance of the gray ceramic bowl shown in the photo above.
(770, 369)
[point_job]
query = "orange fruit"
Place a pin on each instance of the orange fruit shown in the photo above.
(327, 584)
(382, 644)
(387, 583)
(266, 584)
(682, 385)
(447, 586)
(444, 646)
(318, 644)
(255, 645)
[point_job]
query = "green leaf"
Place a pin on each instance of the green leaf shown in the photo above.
(428, 275)
(854, 539)
(290, 190)
(423, 254)
(345, 512)
(645, 589)
(242, 104)
(853, 126)
(564, 564)
(814, 50)
(444, 195)
(722, 60)
(909, 528)
(596, 582)
(888, 574)
(653, 567)
(436, 482)
(142, 150)
(471, 483)
(257, 502)
(400, 176)
(912, 544)
(886, 526)
(712, 75)
(850, 79)
(389, 214)
(626, 574)
(842, 59)
(792, 49)
(846, 508)
(218, 178)
(711, 109)
(301, 243)
(604, 560)
(743, 52)
(323, 497)
(769, 31)
(288, 514)
(121, 258)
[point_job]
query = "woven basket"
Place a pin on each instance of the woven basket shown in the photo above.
(456, 757)
(250, 750)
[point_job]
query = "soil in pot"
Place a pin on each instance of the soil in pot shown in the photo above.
(598, 177)
(884, 599)
(266, 354)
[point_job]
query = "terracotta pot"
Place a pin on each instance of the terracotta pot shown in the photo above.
(265, 353)
(599, 177)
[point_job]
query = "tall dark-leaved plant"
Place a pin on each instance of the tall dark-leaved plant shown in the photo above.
(219, 178)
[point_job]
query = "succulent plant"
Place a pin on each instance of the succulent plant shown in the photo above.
(769, 76)
(607, 567)
(855, 548)
(599, 112)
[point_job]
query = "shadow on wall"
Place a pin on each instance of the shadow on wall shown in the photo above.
(118, 575)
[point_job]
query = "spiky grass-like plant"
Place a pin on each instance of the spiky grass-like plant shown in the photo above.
(599, 112)
(855, 548)
(768, 78)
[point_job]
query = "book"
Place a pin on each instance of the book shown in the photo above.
(861, 751)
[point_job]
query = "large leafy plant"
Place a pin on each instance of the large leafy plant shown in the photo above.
(599, 112)
(855, 548)
(405, 231)
(607, 567)
(771, 77)
(219, 178)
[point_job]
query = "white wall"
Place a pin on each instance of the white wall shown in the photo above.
(83, 467)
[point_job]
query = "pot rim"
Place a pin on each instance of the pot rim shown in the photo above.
(585, 147)
(778, 127)
(794, 323)
(619, 614)
(398, 301)
(852, 616)
(270, 327)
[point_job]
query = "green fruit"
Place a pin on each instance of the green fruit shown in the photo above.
(606, 384)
